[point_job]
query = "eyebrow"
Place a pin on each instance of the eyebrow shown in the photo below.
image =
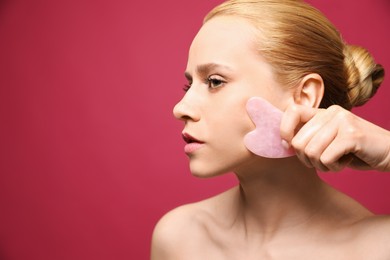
(206, 68)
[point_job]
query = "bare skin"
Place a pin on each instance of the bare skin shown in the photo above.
(281, 208)
(268, 219)
(334, 138)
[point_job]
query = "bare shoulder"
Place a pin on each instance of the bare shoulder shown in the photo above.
(373, 237)
(376, 227)
(185, 229)
(171, 231)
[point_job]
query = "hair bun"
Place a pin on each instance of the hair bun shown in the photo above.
(364, 76)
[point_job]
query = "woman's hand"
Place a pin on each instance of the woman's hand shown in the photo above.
(334, 138)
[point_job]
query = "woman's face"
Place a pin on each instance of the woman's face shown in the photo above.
(223, 72)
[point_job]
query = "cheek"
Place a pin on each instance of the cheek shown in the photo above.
(227, 115)
(242, 122)
(234, 120)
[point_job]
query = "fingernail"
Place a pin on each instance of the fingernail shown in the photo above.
(285, 144)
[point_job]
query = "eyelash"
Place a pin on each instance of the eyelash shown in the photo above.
(213, 82)
(187, 87)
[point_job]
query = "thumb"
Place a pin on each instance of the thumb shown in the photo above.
(294, 117)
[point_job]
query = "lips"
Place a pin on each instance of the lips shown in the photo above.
(190, 139)
(192, 145)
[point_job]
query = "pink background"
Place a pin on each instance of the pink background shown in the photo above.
(90, 154)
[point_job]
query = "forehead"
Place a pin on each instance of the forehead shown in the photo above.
(223, 37)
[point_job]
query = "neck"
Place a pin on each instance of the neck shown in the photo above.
(285, 195)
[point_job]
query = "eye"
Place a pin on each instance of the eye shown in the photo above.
(189, 80)
(186, 87)
(215, 81)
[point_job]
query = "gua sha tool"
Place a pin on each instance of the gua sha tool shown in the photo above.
(265, 140)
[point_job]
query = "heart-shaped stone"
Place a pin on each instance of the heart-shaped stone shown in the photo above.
(265, 140)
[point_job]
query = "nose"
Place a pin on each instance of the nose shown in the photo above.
(185, 110)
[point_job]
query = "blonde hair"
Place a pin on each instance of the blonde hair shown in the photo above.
(297, 39)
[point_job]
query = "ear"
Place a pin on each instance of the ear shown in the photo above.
(310, 91)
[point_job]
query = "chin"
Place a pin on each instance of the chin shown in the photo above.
(205, 173)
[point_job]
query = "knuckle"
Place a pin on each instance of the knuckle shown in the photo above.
(334, 108)
(296, 144)
(343, 115)
(329, 163)
(351, 131)
(311, 152)
(339, 113)
(326, 161)
(294, 108)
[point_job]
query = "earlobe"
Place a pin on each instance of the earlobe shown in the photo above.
(310, 91)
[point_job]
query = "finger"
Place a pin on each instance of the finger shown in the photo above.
(358, 164)
(319, 141)
(308, 163)
(338, 154)
(293, 118)
(304, 159)
(312, 127)
(313, 137)
(340, 164)
(336, 157)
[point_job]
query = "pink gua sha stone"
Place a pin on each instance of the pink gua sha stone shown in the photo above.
(265, 140)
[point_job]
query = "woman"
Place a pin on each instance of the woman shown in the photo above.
(287, 53)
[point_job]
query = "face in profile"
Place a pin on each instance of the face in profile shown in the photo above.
(223, 71)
